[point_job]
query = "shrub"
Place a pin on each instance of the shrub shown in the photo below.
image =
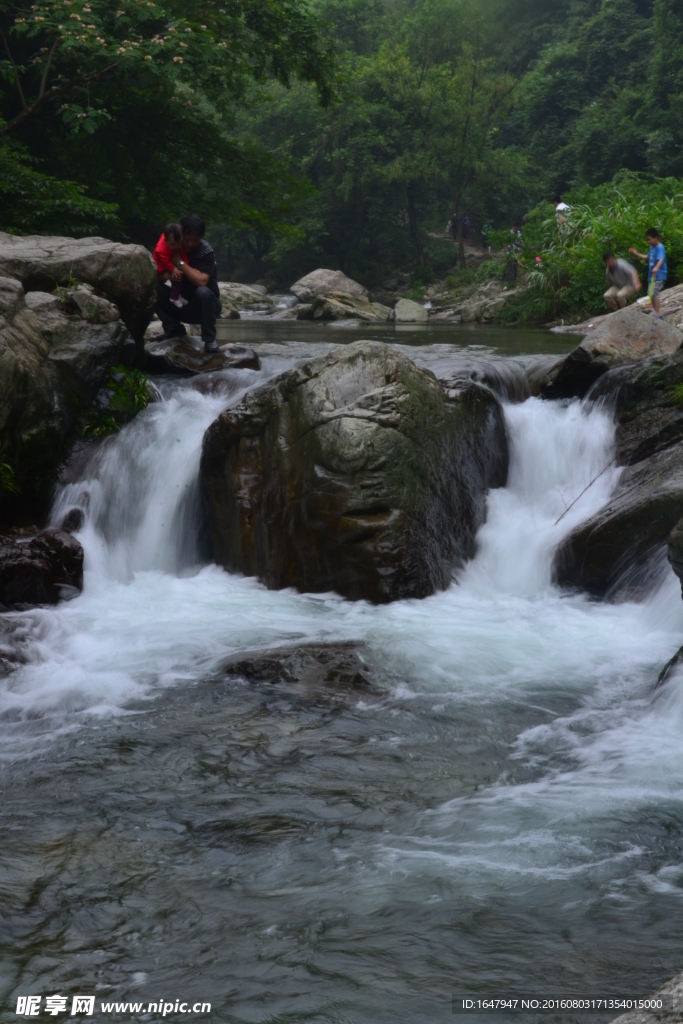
(569, 280)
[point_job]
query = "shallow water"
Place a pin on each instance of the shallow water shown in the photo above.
(501, 815)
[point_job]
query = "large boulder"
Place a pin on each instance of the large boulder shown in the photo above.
(407, 311)
(52, 365)
(340, 306)
(323, 282)
(39, 570)
(611, 551)
(614, 547)
(627, 336)
(356, 472)
(124, 274)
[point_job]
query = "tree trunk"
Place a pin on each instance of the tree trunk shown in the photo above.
(414, 230)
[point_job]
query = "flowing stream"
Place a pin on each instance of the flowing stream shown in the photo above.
(502, 815)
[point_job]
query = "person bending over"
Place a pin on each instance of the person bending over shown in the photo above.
(622, 279)
(199, 285)
(169, 254)
(656, 267)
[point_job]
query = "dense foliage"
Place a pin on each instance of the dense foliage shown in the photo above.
(343, 133)
(569, 279)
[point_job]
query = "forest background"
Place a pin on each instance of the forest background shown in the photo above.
(345, 133)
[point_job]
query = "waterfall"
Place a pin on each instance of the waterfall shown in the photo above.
(152, 615)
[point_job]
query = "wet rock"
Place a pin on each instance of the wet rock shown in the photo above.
(73, 521)
(675, 550)
(235, 296)
(407, 311)
(324, 282)
(187, 356)
(615, 545)
(627, 336)
(39, 570)
(340, 306)
(355, 472)
(52, 366)
(611, 551)
(337, 666)
(15, 643)
(671, 996)
(124, 274)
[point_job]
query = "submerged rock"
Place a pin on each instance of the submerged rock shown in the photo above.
(124, 274)
(39, 570)
(355, 472)
(324, 282)
(338, 666)
(627, 336)
(187, 356)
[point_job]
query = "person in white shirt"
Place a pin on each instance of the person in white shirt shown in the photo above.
(561, 209)
(622, 279)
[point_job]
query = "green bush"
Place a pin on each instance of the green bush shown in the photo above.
(569, 280)
(128, 394)
(8, 482)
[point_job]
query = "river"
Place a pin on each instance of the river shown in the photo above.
(501, 814)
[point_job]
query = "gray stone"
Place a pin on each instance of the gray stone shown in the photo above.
(485, 304)
(671, 1012)
(124, 274)
(340, 306)
(44, 302)
(91, 307)
(407, 311)
(52, 366)
(236, 296)
(627, 336)
(323, 282)
(355, 472)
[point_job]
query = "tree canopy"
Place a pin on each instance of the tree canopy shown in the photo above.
(335, 132)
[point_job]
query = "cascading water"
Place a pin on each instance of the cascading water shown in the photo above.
(499, 817)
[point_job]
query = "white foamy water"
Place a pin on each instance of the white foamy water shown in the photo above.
(150, 617)
(506, 814)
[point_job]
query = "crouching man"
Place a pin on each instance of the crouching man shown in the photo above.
(622, 279)
(199, 286)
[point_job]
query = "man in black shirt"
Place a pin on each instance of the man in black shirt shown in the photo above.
(199, 287)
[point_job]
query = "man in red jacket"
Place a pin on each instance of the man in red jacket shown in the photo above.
(199, 285)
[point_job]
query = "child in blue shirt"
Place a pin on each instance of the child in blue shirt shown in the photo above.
(656, 267)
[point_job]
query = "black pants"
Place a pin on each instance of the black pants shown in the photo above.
(203, 308)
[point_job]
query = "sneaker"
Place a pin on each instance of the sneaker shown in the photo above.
(179, 302)
(169, 336)
(211, 345)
